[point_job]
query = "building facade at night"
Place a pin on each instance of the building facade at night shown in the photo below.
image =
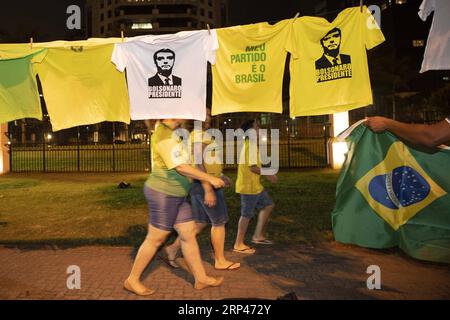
(107, 18)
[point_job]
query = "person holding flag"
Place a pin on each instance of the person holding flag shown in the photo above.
(419, 134)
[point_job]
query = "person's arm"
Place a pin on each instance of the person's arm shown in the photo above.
(210, 196)
(175, 157)
(272, 178)
(194, 173)
(419, 134)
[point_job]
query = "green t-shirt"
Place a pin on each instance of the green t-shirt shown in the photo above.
(168, 153)
(19, 95)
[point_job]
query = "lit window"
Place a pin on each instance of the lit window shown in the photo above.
(147, 25)
(418, 43)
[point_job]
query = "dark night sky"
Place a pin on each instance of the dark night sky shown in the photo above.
(46, 19)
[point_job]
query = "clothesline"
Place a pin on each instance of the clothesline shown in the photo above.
(326, 13)
(166, 73)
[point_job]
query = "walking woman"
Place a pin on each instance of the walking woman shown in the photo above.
(208, 204)
(166, 190)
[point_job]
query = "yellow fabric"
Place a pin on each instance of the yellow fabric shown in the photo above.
(168, 153)
(214, 168)
(81, 86)
(398, 155)
(15, 52)
(314, 88)
(249, 68)
(248, 182)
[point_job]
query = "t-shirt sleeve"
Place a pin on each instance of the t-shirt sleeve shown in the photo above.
(212, 46)
(426, 8)
(291, 41)
(119, 58)
(39, 56)
(172, 153)
(373, 35)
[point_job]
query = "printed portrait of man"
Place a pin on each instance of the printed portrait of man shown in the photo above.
(331, 44)
(164, 60)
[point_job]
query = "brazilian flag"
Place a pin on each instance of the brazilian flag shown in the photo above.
(390, 194)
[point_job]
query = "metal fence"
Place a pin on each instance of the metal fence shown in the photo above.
(129, 157)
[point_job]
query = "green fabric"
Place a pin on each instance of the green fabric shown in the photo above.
(19, 96)
(425, 234)
(169, 182)
(164, 177)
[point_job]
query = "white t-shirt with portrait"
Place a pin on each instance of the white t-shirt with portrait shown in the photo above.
(167, 74)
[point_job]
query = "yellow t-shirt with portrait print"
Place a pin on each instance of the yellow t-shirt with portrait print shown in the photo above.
(248, 182)
(329, 70)
(211, 158)
(168, 152)
(249, 68)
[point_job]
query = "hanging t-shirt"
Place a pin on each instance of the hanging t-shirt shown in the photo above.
(167, 74)
(248, 74)
(329, 71)
(437, 51)
(81, 86)
(19, 96)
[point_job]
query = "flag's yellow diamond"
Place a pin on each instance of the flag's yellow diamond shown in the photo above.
(398, 188)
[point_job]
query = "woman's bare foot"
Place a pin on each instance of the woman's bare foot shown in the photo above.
(137, 287)
(242, 248)
(208, 282)
(171, 254)
(227, 265)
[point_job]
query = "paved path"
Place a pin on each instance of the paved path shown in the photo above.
(330, 271)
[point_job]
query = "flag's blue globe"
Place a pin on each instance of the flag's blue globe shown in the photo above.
(402, 187)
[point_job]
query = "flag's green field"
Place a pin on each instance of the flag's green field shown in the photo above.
(77, 209)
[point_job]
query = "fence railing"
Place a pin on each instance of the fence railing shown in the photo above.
(129, 157)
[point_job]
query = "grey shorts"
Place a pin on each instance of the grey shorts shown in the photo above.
(252, 202)
(166, 211)
(217, 215)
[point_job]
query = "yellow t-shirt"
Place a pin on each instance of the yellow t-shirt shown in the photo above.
(248, 182)
(329, 71)
(168, 153)
(248, 73)
(81, 86)
(212, 160)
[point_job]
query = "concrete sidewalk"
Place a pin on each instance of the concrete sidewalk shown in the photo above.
(329, 271)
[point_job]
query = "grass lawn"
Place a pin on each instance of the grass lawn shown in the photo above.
(77, 209)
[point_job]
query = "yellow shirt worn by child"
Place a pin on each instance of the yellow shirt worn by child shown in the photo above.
(248, 182)
(211, 161)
